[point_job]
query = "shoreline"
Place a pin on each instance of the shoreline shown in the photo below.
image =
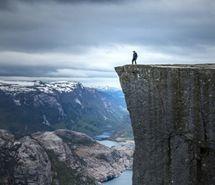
(122, 145)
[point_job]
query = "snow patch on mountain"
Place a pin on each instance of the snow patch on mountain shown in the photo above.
(17, 102)
(19, 83)
(45, 121)
(33, 86)
(78, 101)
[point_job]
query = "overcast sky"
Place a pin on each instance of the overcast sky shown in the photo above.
(83, 40)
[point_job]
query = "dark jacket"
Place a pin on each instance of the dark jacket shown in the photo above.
(135, 56)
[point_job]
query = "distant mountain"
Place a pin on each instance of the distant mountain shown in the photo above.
(115, 93)
(26, 107)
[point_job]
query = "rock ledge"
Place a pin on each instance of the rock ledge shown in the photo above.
(173, 116)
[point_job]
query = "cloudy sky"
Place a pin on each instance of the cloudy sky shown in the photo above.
(83, 40)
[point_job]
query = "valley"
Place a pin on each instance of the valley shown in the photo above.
(63, 133)
(27, 107)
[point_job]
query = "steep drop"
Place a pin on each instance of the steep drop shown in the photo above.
(173, 116)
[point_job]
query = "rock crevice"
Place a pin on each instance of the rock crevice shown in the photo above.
(173, 116)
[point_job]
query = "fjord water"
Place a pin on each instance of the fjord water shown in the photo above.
(109, 143)
(126, 177)
(103, 139)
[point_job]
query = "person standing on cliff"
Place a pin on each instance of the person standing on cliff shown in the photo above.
(134, 60)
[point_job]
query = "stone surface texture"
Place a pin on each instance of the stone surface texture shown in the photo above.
(35, 166)
(61, 157)
(172, 109)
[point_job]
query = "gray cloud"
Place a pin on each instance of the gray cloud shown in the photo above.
(182, 28)
(75, 1)
(4, 5)
(46, 26)
(25, 71)
(12, 5)
(52, 72)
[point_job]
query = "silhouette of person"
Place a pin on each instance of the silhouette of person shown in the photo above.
(134, 60)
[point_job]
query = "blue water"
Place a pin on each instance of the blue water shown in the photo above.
(108, 143)
(124, 179)
(104, 135)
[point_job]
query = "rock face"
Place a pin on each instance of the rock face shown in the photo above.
(173, 119)
(61, 157)
(34, 164)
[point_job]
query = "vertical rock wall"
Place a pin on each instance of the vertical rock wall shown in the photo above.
(172, 109)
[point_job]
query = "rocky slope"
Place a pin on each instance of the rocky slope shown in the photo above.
(173, 119)
(61, 157)
(26, 107)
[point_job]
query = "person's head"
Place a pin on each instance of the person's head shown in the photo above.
(134, 51)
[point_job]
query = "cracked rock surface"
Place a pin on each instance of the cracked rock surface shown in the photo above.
(61, 157)
(172, 109)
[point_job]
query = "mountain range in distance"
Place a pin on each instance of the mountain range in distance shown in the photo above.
(30, 106)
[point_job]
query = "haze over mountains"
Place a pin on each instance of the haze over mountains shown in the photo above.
(27, 107)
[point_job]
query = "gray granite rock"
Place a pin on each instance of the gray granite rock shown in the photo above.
(5, 136)
(61, 157)
(172, 109)
(34, 165)
(82, 153)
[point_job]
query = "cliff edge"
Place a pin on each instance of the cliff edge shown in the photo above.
(172, 109)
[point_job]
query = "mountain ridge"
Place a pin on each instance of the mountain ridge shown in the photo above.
(29, 106)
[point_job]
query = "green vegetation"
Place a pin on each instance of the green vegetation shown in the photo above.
(85, 110)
